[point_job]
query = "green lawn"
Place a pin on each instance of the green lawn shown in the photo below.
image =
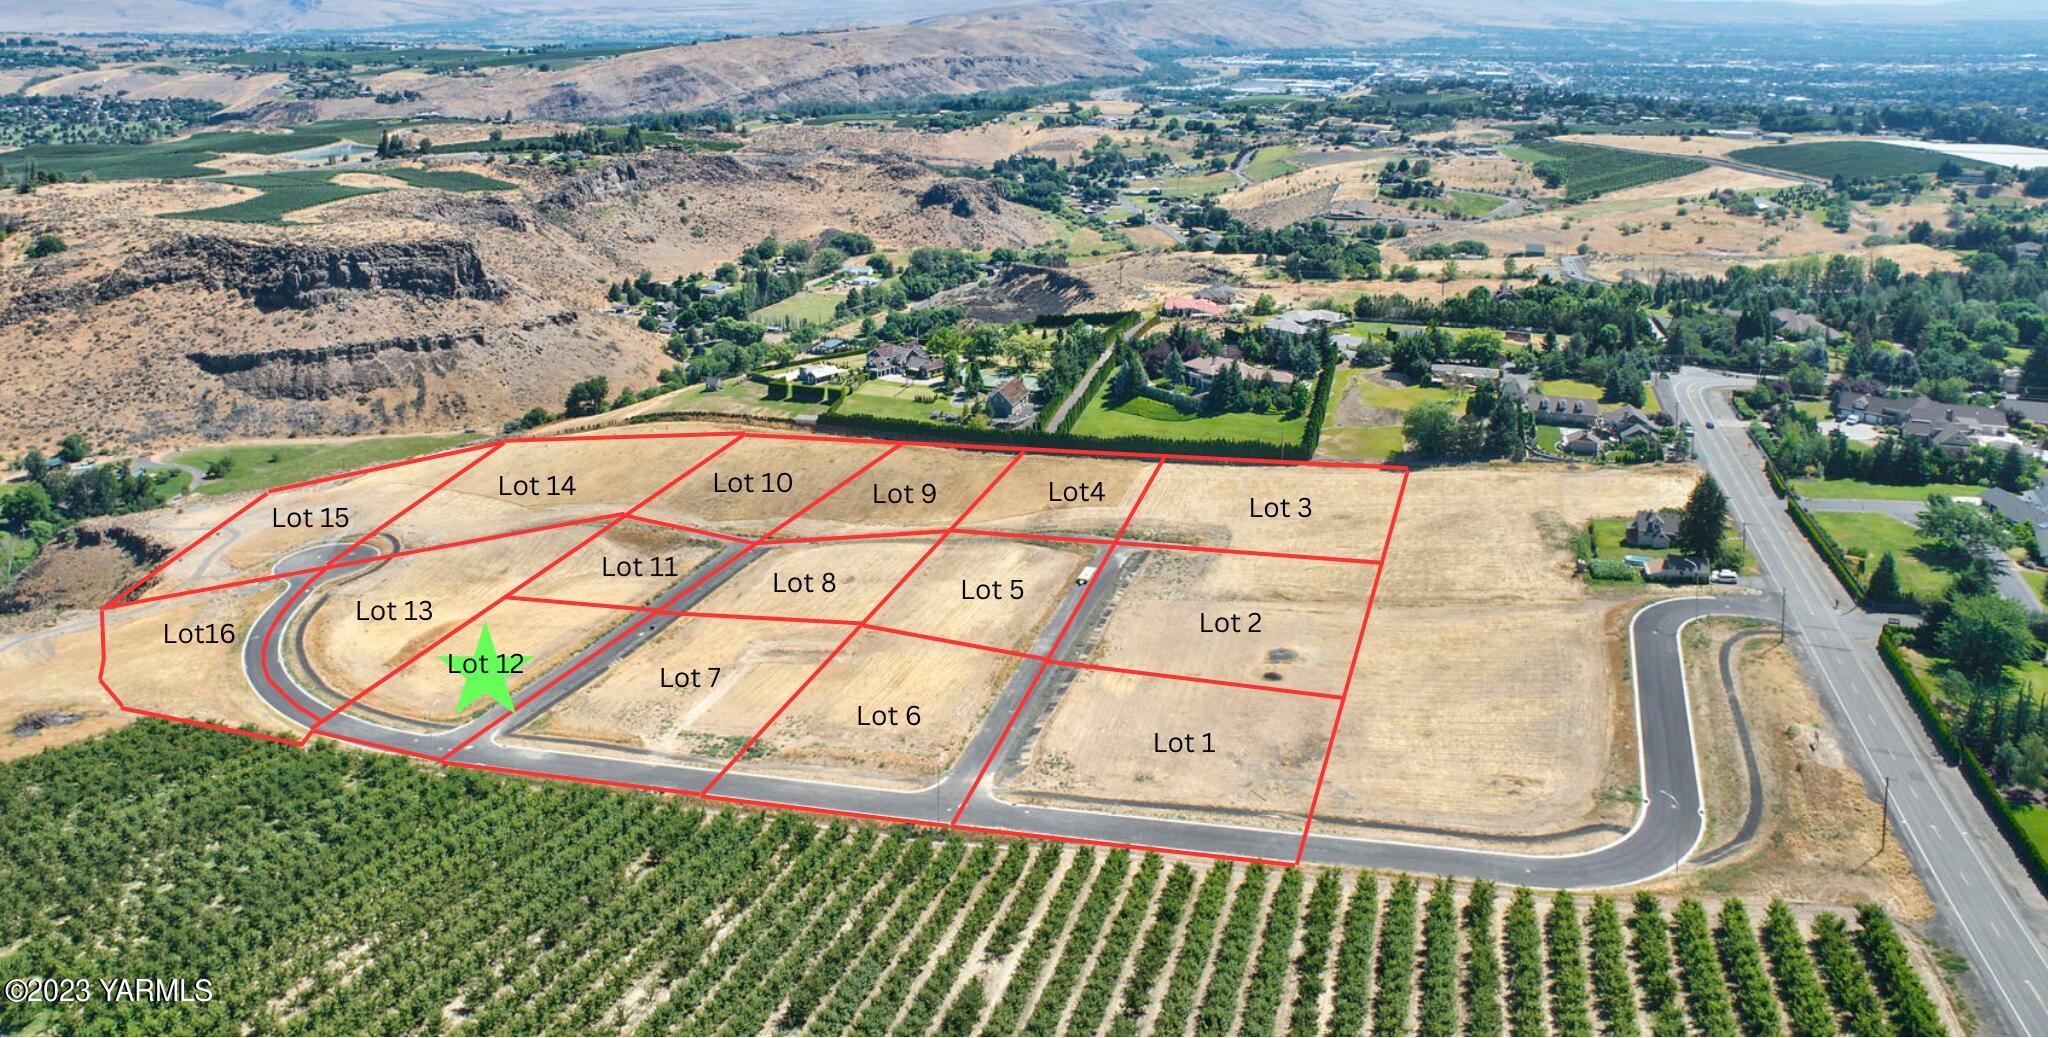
(1866, 536)
(1607, 535)
(1193, 185)
(896, 400)
(1815, 409)
(1147, 417)
(1353, 381)
(803, 308)
(742, 397)
(1271, 161)
(1569, 388)
(1366, 443)
(2033, 821)
(1857, 489)
(1549, 438)
(1465, 205)
(261, 466)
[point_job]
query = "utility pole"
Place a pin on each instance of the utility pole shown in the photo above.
(1884, 821)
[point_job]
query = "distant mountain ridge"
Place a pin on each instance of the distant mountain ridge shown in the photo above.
(1129, 22)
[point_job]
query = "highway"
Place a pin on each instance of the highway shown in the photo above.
(1667, 829)
(1988, 908)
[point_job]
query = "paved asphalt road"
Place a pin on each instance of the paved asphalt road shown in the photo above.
(1992, 913)
(1668, 828)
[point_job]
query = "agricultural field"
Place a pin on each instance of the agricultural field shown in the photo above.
(1588, 171)
(695, 921)
(293, 190)
(1850, 159)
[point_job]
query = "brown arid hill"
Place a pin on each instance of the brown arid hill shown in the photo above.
(406, 310)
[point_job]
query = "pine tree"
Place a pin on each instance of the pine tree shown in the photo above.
(1883, 585)
(1701, 525)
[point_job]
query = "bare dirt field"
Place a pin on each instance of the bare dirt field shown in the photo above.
(855, 722)
(522, 485)
(986, 590)
(1286, 508)
(755, 485)
(337, 512)
(1063, 495)
(834, 580)
(1280, 622)
(361, 623)
(915, 488)
(1249, 757)
(178, 658)
(648, 702)
(1486, 699)
(1818, 839)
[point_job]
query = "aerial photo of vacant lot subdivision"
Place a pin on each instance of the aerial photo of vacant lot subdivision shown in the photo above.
(856, 614)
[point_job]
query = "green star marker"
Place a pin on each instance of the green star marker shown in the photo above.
(483, 674)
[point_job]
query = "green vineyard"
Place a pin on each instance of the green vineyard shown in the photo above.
(332, 892)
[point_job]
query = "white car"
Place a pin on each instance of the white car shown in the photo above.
(1724, 576)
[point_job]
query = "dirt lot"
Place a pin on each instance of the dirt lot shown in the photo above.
(1487, 697)
(255, 542)
(835, 580)
(944, 597)
(916, 488)
(523, 485)
(755, 485)
(1096, 748)
(1290, 508)
(1281, 622)
(1818, 838)
(200, 680)
(1057, 495)
(443, 589)
(760, 664)
(854, 723)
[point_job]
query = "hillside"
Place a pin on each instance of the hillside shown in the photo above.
(404, 309)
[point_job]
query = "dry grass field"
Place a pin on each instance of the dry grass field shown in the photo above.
(934, 602)
(915, 488)
(1058, 495)
(835, 580)
(442, 588)
(855, 722)
(1281, 622)
(522, 485)
(755, 485)
(1817, 841)
(760, 664)
(1096, 749)
(150, 670)
(257, 540)
(1327, 511)
(1487, 688)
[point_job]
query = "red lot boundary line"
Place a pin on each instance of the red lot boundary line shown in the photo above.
(380, 557)
(1079, 603)
(694, 585)
(872, 611)
(613, 519)
(1356, 648)
(263, 657)
(451, 632)
(941, 639)
(259, 498)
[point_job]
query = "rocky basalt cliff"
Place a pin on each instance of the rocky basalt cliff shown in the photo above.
(283, 275)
